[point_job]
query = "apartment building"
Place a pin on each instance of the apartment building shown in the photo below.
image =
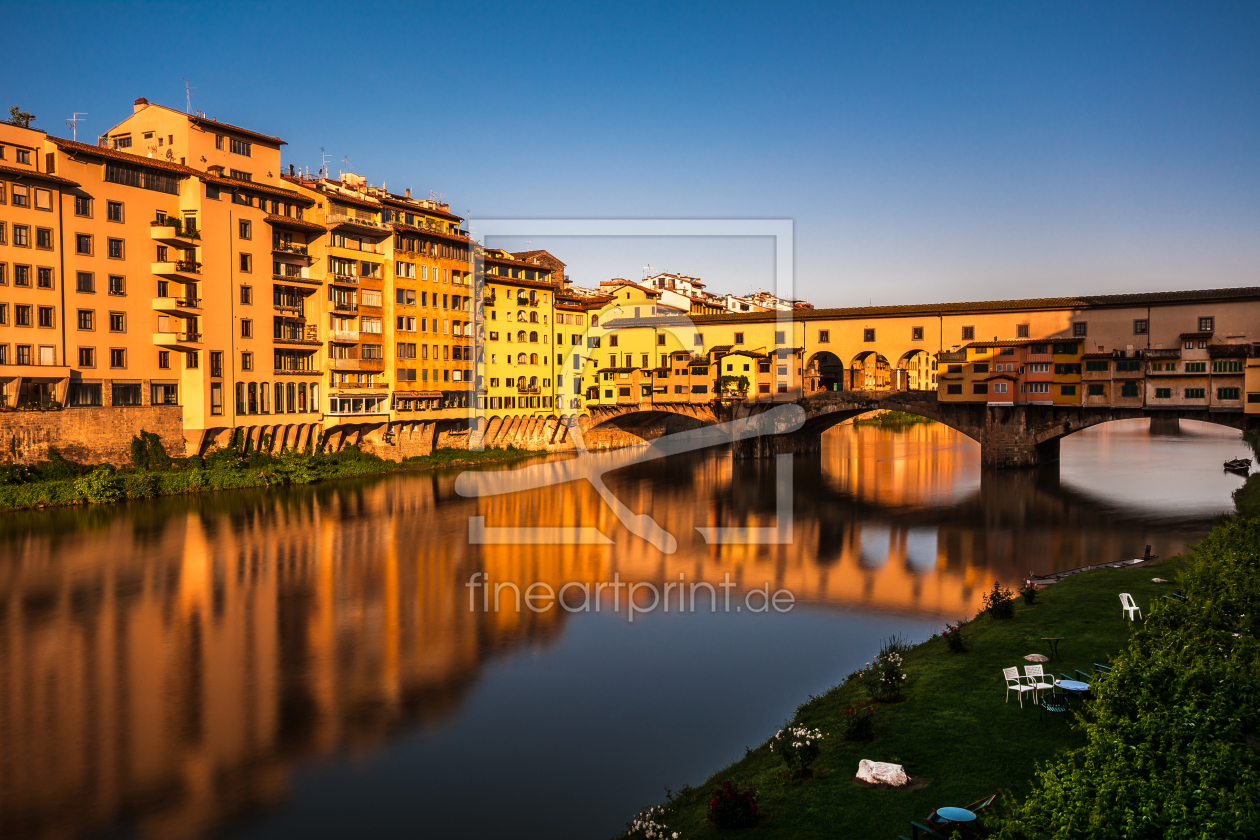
(520, 362)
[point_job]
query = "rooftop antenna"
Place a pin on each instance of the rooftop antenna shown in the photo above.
(345, 164)
(323, 163)
(73, 122)
(188, 89)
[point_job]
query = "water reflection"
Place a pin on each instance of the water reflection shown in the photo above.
(168, 664)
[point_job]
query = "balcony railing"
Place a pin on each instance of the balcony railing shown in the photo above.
(345, 335)
(346, 279)
(358, 364)
(177, 228)
(341, 219)
(345, 307)
(528, 389)
(289, 248)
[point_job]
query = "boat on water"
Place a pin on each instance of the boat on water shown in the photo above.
(1239, 465)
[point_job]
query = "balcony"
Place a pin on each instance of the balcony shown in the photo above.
(357, 364)
(344, 336)
(174, 234)
(178, 340)
(288, 248)
(345, 307)
(181, 307)
(526, 302)
(177, 270)
(294, 278)
(528, 389)
(343, 279)
(371, 224)
(289, 310)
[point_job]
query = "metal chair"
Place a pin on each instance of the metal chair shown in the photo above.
(1055, 704)
(1014, 682)
(1036, 676)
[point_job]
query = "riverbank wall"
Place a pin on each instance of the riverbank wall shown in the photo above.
(91, 436)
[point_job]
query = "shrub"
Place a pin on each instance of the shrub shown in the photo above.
(953, 636)
(858, 723)
(999, 603)
(1247, 497)
(650, 825)
(1029, 593)
(148, 453)
(100, 486)
(733, 808)
(884, 676)
(798, 746)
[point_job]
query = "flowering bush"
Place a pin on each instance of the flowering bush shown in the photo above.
(953, 636)
(650, 825)
(884, 676)
(733, 808)
(999, 603)
(858, 723)
(1029, 592)
(797, 746)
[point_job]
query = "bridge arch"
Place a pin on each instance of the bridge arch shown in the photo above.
(869, 371)
(824, 371)
(915, 370)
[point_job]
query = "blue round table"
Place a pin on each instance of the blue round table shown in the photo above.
(1072, 685)
(955, 814)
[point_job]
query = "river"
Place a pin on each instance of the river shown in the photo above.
(312, 663)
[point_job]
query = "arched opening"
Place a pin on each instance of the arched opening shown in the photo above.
(520, 359)
(869, 371)
(824, 372)
(916, 371)
(533, 338)
(533, 317)
(520, 336)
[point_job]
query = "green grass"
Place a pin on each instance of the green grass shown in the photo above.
(953, 729)
(891, 420)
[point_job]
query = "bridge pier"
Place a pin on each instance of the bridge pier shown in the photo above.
(768, 446)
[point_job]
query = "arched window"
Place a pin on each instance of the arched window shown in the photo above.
(264, 398)
(240, 397)
(533, 382)
(520, 360)
(520, 336)
(290, 400)
(533, 358)
(314, 397)
(301, 397)
(533, 317)
(253, 398)
(533, 338)
(279, 398)
(520, 316)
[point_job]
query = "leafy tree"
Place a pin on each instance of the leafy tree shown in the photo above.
(20, 118)
(1171, 735)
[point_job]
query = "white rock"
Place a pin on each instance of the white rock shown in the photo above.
(1158, 580)
(880, 772)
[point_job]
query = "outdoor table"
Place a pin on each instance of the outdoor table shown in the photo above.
(1053, 641)
(958, 815)
(1075, 686)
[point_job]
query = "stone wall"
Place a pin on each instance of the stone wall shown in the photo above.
(88, 435)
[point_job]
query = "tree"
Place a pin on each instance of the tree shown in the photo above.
(20, 118)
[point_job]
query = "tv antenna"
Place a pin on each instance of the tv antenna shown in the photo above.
(323, 163)
(188, 89)
(345, 164)
(74, 121)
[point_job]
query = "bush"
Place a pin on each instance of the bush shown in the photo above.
(858, 723)
(953, 636)
(148, 453)
(1029, 593)
(1170, 736)
(884, 676)
(798, 746)
(733, 808)
(999, 603)
(100, 486)
(1247, 497)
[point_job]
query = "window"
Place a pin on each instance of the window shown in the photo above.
(1038, 387)
(24, 354)
(114, 249)
(238, 175)
(980, 367)
(164, 393)
(1097, 365)
(46, 316)
(868, 335)
(247, 361)
(117, 357)
(1096, 390)
(86, 319)
(968, 333)
(1196, 393)
(1068, 349)
(1141, 326)
(1129, 389)
(218, 142)
(1080, 328)
(22, 315)
(22, 275)
(779, 337)
(44, 278)
(980, 388)
(247, 295)
(164, 359)
(1000, 387)
(43, 239)
(22, 236)
(21, 196)
(1067, 369)
(216, 362)
(660, 339)
(1128, 366)
(243, 229)
(125, 393)
(216, 398)
(1196, 367)
(916, 333)
(953, 389)
(1227, 393)
(1067, 390)
(1207, 325)
(612, 340)
(117, 285)
(1231, 366)
(82, 243)
(137, 175)
(114, 211)
(247, 328)
(84, 282)
(1163, 393)
(239, 147)
(1021, 330)
(82, 206)
(247, 263)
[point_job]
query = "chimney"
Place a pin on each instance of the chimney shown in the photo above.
(140, 105)
(408, 192)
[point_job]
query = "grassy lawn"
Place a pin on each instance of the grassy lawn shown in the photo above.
(952, 730)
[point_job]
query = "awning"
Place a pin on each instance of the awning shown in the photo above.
(419, 395)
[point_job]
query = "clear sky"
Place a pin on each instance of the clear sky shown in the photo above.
(925, 151)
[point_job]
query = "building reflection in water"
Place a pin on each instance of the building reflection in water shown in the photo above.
(166, 664)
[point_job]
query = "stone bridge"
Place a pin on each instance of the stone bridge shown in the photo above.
(1009, 436)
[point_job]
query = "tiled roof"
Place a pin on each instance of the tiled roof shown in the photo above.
(1201, 335)
(292, 222)
(349, 199)
(18, 172)
(428, 232)
(207, 122)
(403, 203)
(1009, 343)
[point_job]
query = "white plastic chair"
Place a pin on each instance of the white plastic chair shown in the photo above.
(1014, 682)
(1037, 679)
(1129, 606)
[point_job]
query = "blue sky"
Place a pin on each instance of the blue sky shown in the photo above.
(925, 151)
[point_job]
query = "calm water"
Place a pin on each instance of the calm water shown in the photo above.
(305, 663)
